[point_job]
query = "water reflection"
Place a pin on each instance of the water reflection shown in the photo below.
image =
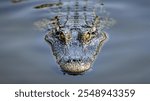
(17, 1)
(48, 5)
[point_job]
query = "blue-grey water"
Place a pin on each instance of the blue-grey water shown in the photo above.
(26, 58)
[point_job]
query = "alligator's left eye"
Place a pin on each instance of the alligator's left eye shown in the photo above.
(86, 37)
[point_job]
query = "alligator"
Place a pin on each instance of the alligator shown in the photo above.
(77, 37)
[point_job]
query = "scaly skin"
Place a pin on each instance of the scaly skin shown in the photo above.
(77, 38)
(75, 49)
(76, 42)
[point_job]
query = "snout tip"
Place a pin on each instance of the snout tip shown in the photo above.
(75, 67)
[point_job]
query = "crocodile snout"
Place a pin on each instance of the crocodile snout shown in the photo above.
(75, 66)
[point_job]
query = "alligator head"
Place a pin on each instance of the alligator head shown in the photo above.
(76, 40)
(75, 47)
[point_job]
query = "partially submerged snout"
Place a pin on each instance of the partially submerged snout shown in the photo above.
(75, 67)
(75, 48)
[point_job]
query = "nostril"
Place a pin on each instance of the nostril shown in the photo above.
(74, 60)
(69, 60)
(79, 60)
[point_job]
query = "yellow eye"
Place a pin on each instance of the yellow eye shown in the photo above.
(86, 37)
(68, 36)
(65, 37)
(61, 36)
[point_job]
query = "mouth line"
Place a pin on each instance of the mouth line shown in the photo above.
(75, 63)
(79, 61)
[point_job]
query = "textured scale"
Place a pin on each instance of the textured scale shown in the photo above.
(76, 34)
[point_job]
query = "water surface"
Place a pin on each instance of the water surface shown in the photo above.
(26, 58)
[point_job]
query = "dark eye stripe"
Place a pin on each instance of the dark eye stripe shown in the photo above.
(57, 33)
(93, 33)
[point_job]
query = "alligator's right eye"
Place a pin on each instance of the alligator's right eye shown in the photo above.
(64, 37)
